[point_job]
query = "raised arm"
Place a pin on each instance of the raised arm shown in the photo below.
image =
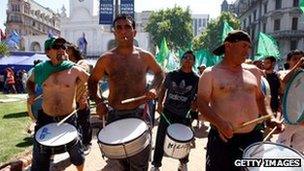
(298, 65)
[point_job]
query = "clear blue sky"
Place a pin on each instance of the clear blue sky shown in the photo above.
(211, 7)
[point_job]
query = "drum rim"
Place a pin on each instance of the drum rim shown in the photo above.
(268, 142)
(284, 101)
(119, 144)
(180, 141)
(57, 145)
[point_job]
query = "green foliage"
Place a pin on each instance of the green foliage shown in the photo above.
(13, 137)
(4, 50)
(211, 37)
(174, 24)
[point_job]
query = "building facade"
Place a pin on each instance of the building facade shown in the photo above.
(84, 21)
(27, 17)
(199, 23)
(282, 19)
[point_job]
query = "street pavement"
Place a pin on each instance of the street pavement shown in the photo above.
(95, 162)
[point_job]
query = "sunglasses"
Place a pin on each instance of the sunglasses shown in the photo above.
(57, 47)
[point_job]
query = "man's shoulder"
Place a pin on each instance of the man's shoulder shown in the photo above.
(143, 53)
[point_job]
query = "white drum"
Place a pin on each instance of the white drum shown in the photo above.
(269, 150)
(58, 139)
(178, 141)
(124, 138)
(293, 100)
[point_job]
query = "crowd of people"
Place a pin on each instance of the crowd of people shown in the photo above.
(13, 82)
(226, 95)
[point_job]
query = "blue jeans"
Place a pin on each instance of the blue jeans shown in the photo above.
(41, 156)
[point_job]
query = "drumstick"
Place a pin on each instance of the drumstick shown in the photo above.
(133, 99)
(266, 138)
(253, 121)
(67, 117)
(272, 131)
(38, 97)
(103, 121)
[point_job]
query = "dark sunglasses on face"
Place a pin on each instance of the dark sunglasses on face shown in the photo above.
(57, 47)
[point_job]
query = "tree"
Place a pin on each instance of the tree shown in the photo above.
(212, 37)
(4, 50)
(174, 24)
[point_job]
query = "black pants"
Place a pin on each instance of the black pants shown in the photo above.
(84, 124)
(161, 134)
(221, 155)
(140, 161)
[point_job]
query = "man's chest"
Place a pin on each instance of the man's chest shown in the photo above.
(127, 68)
(62, 79)
(232, 83)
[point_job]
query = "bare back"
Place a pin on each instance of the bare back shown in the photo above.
(59, 91)
(232, 94)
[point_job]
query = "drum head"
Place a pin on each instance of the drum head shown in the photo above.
(293, 100)
(52, 135)
(180, 132)
(122, 131)
(269, 150)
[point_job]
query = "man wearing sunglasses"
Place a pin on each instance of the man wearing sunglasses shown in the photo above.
(58, 78)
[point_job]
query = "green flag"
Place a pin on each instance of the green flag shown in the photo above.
(163, 53)
(173, 62)
(226, 29)
(267, 46)
(302, 5)
(203, 56)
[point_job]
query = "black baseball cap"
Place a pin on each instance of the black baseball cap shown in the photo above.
(232, 37)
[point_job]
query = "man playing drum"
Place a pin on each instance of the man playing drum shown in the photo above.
(179, 90)
(293, 135)
(58, 78)
(228, 96)
(82, 102)
(126, 67)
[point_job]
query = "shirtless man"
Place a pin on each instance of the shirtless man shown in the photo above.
(126, 67)
(234, 96)
(58, 78)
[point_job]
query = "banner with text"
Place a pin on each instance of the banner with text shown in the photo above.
(127, 7)
(106, 10)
